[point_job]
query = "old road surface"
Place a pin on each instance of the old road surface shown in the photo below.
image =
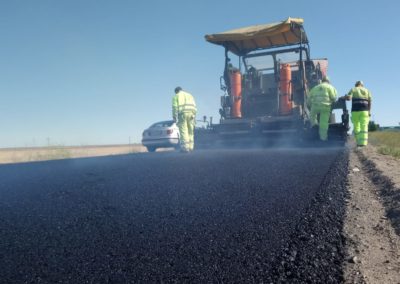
(260, 215)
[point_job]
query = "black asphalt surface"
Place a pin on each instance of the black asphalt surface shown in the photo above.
(261, 215)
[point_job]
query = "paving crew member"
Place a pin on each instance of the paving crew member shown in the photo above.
(184, 112)
(320, 100)
(360, 112)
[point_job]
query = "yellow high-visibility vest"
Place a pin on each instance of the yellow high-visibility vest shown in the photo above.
(322, 94)
(360, 98)
(183, 102)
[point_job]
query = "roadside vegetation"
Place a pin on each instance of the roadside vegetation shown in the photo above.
(18, 155)
(387, 142)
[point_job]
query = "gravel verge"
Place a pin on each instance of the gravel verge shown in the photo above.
(388, 189)
(372, 253)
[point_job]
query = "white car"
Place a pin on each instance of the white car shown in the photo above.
(163, 134)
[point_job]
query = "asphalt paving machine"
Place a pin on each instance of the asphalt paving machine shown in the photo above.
(265, 91)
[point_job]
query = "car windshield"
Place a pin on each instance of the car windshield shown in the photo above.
(162, 124)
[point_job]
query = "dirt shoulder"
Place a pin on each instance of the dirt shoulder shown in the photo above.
(373, 246)
(18, 155)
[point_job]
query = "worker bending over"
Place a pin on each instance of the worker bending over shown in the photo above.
(360, 112)
(184, 112)
(320, 100)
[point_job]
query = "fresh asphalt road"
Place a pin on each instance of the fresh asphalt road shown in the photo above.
(208, 216)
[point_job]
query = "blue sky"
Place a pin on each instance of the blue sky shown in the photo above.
(80, 72)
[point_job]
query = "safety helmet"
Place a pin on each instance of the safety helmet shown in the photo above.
(178, 89)
(359, 83)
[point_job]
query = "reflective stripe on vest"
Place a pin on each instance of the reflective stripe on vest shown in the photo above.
(187, 108)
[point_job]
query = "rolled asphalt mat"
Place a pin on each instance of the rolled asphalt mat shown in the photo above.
(261, 215)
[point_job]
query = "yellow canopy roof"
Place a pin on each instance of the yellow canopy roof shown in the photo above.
(244, 40)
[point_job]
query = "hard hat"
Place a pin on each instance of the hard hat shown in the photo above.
(325, 79)
(178, 89)
(359, 83)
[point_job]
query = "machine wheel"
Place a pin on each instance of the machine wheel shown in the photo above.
(151, 149)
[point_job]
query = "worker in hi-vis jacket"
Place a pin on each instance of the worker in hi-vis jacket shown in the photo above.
(320, 100)
(184, 113)
(360, 112)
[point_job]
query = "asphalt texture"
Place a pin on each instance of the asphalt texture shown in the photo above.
(261, 215)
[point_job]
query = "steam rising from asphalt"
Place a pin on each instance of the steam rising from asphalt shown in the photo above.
(281, 142)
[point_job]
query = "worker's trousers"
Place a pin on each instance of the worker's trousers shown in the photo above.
(360, 121)
(324, 112)
(186, 122)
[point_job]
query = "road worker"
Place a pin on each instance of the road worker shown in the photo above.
(360, 112)
(184, 112)
(320, 99)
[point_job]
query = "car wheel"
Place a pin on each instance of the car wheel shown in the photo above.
(151, 149)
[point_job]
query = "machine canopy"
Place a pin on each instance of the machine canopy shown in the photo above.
(244, 40)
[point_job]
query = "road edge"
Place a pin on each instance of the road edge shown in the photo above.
(316, 249)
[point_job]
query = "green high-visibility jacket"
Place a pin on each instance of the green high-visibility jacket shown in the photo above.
(183, 102)
(322, 94)
(360, 99)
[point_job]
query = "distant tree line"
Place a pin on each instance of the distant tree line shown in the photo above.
(373, 126)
